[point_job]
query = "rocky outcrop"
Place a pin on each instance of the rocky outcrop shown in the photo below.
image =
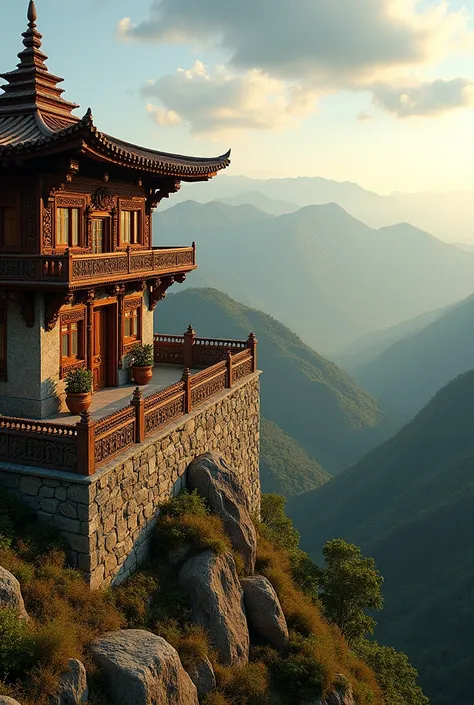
(213, 587)
(339, 696)
(202, 675)
(10, 594)
(213, 479)
(264, 613)
(72, 689)
(143, 669)
(5, 700)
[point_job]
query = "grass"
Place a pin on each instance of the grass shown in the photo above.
(66, 615)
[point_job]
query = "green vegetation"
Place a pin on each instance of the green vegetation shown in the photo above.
(78, 382)
(350, 584)
(409, 504)
(142, 355)
(307, 396)
(285, 467)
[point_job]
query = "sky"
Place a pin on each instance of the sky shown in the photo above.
(379, 92)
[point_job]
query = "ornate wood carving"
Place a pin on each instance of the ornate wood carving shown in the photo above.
(70, 201)
(48, 226)
(134, 204)
(26, 447)
(131, 304)
(75, 314)
(163, 414)
(54, 302)
(158, 290)
(157, 195)
(79, 365)
(146, 231)
(8, 199)
(120, 189)
(103, 199)
(208, 388)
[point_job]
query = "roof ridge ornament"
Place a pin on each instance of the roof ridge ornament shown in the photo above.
(32, 14)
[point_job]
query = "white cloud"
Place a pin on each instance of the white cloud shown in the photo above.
(222, 101)
(280, 55)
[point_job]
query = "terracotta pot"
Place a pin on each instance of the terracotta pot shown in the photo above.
(142, 375)
(77, 403)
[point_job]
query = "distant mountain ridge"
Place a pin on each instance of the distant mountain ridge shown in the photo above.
(327, 276)
(409, 504)
(413, 369)
(307, 396)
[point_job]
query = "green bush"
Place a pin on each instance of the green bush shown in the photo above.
(17, 646)
(300, 678)
(79, 382)
(185, 503)
(134, 598)
(142, 355)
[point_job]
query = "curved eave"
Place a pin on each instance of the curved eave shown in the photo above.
(99, 146)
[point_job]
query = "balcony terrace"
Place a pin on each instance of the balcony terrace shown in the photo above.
(112, 425)
(76, 270)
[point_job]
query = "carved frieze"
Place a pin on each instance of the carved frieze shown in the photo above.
(103, 199)
(89, 268)
(114, 443)
(48, 226)
(161, 415)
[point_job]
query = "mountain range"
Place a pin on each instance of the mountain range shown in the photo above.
(448, 215)
(304, 394)
(409, 372)
(409, 504)
(326, 275)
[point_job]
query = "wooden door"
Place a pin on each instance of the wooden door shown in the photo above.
(99, 352)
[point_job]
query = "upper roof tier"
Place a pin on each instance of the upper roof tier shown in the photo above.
(35, 119)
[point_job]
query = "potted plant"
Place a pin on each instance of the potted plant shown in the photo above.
(78, 390)
(142, 360)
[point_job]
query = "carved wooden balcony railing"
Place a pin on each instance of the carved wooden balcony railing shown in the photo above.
(88, 445)
(74, 269)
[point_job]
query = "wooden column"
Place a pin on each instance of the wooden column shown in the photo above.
(90, 323)
(139, 403)
(85, 445)
(120, 299)
(228, 360)
(186, 378)
(189, 338)
(252, 344)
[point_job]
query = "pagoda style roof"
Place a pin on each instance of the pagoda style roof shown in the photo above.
(36, 120)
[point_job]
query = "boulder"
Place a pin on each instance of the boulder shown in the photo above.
(143, 669)
(10, 594)
(202, 675)
(72, 689)
(338, 696)
(213, 479)
(264, 613)
(217, 603)
(5, 700)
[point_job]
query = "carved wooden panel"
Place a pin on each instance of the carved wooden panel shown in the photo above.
(115, 442)
(163, 414)
(98, 267)
(208, 388)
(8, 199)
(75, 314)
(11, 268)
(88, 186)
(29, 448)
(48, 226)
(131, 304)
(242, 370)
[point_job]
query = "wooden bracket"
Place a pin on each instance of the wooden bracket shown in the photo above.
(54, 302)
(158, 290)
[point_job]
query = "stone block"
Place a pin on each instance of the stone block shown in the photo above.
(49, 506)
(64, 524)
(78, 493)
(60, 493)
(30, 485)
(46, 492)
(69, 509)
(77, 543)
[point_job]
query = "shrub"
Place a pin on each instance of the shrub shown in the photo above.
(215, 698)
(185, 503)
(244, 685)
(190, 641)
(203, 533)
(300, 678)
(134, 597)
(79, 382)
(16, 645)
(142, 355)
(275, 525)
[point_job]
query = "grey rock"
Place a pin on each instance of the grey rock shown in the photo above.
(177, 555)
(213, 479)
(264, 613)
(143, 669)
(202, 675)
(217, 604)
(10, 594)
(72, 689)
(5, 700)
(339, 696)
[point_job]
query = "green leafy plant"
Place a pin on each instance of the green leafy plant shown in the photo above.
(142, 355)
(79, 382)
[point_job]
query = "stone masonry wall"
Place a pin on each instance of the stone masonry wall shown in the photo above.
(107, 519)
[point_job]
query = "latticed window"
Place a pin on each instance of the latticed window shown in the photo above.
(67, 227)
(129, 227)
(71, 340)
(9, 227)
(132, 324)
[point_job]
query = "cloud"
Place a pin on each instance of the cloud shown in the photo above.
(281, 55)
(427, 99)
(221, 101)
(341, 42)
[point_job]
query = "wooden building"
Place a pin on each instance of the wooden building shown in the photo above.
(79, 278)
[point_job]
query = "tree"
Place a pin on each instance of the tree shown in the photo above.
(349, 585)
(395, 675)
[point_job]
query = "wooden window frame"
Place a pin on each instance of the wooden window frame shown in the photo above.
(4, 325)
(132, 206)
(70, 203)
(135, 306)
(68, 318)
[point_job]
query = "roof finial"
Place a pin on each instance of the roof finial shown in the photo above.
(32, 14)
